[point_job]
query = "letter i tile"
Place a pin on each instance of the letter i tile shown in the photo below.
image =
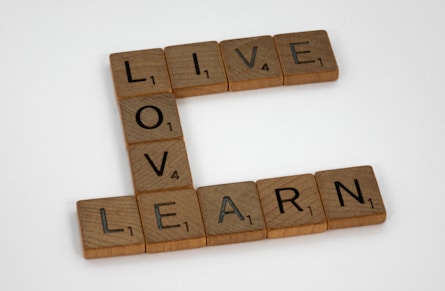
(291, 206)
(171, 220)
(196, 69)
(110, 227)
(231, 213)
(351, 197)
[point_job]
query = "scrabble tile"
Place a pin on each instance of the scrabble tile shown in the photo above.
(306, 57)
(139, 73)
(159, 166)
(251, 63)
(171, 220)
(291, 206)
(150, 118)
(231, 213)
(110, 227)
(196, 69)
(351, 197)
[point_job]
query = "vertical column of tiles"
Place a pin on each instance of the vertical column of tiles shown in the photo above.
(110, 227)
(231, 213)
(306, 57)
(291, 206)
(351, 197)
(171, 220)
(196, 69)
(139, 73)
(156, 150)
(153, 133)
(251, 63)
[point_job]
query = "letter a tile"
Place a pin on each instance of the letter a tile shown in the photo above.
(231, 213)
(160, 166)
(351, 197)
(171, 220)
(139, 73)
(251, 63)
(196, 69)
(291, 206)
(150, 118)
(110, 227)
(306, 57)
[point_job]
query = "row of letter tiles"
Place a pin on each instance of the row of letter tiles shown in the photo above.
(231, 65)
(230, 213)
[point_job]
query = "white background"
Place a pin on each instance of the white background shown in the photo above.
(62, 141)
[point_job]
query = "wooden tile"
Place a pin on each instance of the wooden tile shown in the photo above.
(159, 166)
(251, 63)
(231, 213)
(139, 73)
(351, 197)
(306, 57)
(291, 206)
(196, 69)
(150, 118)
(110, 227)
(171, 220)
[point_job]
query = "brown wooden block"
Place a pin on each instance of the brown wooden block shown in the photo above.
(110, 227)
(139, 73)
(196, 69)
(150, 118)
(251, 63)
(351, 197)
(231, 213)
(291, 206)
(160, 166)
(171, 220)
(306, 57)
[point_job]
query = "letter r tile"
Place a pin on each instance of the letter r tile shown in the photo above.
(139, 73)
(351, 197)
(196, 69)
(110, 227)
(150, 118)
(251, 63)
(171, 220)
(291, 206)
(160, 165)
(231, 213)
(306, 57)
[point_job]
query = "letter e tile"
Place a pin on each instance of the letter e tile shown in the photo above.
(110, 227)
(139, 73)
(291, 206)
(231, 213)
(150, 118)
(351, 197)
(306, 57)
(161, 165)
(251, 63)
(196, 69)
(171, 220)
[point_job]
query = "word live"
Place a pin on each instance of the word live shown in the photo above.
(167, 213)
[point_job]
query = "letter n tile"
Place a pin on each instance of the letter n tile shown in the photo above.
(351, 197)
